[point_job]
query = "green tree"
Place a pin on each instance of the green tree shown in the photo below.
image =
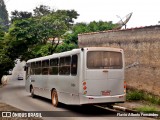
(30, 35)
(20, 15)
(3, 15)
(42, 10)
(72, 38)
(100, 26)
(5, 62)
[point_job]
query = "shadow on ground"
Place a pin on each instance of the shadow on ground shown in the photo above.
(76, 110)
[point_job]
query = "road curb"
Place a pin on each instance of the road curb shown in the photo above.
(116, 107)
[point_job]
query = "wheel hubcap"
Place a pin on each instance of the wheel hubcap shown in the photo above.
(54, 99)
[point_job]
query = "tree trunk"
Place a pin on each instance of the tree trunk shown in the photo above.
(53, 49)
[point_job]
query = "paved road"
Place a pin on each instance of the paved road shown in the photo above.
(14, 94)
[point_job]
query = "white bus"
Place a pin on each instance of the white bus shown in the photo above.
(90, 75)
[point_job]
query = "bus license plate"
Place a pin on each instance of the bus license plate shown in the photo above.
(106, 93)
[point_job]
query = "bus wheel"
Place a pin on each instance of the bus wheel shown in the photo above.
(54, 98)
(32, 92)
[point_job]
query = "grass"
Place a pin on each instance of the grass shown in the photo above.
(151, 98)
(147, 109)
(135, 95)
(150, 101)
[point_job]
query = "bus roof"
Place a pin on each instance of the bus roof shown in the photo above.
(74, 51)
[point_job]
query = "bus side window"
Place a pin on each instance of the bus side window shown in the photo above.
(54, 66)
(74, 65)
(28, 72)
(65, 65)
(32, 72)
(45, 67)
(38, 68)
(27, 69)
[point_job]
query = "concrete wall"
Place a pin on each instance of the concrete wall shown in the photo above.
(142, 53)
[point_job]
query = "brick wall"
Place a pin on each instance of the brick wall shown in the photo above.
(142, 53)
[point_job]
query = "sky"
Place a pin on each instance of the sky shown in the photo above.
(145, 12)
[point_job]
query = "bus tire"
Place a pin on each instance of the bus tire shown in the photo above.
(32, 92)
(54, 96)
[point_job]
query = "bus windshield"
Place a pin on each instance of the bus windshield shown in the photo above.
(104, 60)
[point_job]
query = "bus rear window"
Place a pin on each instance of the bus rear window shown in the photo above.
(104, 60)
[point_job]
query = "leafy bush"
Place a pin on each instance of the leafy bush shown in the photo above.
(140, 95)
(135, 95)
(153, 99)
